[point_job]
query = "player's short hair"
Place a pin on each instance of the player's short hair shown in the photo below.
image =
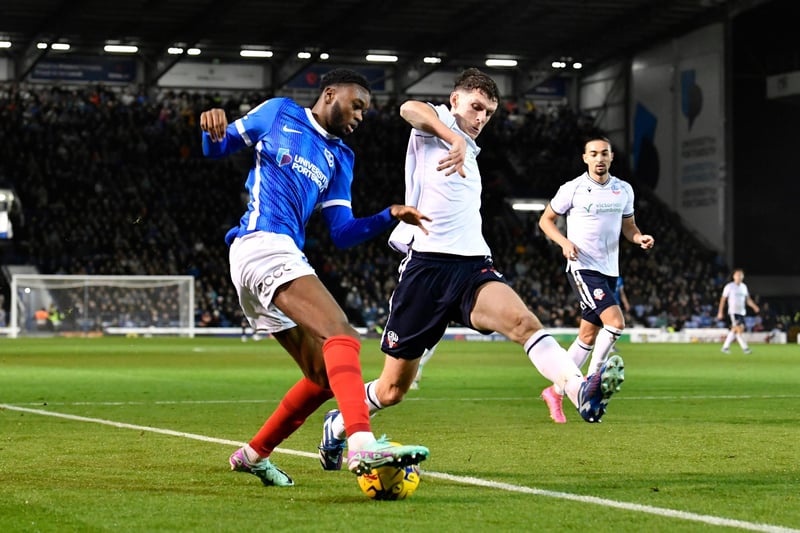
(473, 78)
(592, 138)
(340, 76)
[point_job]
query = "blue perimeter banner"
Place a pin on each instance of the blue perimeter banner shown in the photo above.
(552, 88)
(100, 69)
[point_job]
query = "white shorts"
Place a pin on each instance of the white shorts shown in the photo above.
(260, 263)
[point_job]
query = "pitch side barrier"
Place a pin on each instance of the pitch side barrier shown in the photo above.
(563, 335)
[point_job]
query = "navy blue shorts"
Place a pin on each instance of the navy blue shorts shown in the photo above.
(595, 292)
(736, 320)
(434, 290)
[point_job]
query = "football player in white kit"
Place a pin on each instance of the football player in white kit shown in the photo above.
(737, 296)
(598, 208)
(448, 274)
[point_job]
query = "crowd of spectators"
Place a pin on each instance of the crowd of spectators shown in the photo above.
(113, 182)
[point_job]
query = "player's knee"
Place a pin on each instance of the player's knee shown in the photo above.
(391, 396)
(527, 325)
(616, 324)
(314, 369)
(338, 329)
(352, 332)
(522, 327)
(588, 337)
(613, 319)
(318, 376)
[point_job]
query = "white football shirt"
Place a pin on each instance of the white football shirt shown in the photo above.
(594, 214)
(453, 203)
(737, 294)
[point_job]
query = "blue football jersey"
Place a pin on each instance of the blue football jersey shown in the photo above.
(298, 167)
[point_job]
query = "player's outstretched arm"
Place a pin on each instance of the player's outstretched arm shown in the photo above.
(347, 231)
(410, 215)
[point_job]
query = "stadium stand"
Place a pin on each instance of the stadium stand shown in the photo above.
(114, 182)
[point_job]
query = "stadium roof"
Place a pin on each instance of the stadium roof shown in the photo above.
(462, 33)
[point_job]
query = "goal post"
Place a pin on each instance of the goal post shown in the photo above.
(52, 304)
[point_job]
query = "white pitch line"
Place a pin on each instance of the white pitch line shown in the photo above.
(647, 509)
(155, 402)
(150, 429)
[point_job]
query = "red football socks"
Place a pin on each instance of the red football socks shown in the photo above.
(302, 399)
(341, 355)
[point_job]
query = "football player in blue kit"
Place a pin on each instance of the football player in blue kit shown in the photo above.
(301, 164)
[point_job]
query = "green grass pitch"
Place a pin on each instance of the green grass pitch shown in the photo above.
(696, 441)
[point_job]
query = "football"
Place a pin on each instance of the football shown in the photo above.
(390, 482)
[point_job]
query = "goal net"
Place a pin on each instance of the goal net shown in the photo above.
(45, 305)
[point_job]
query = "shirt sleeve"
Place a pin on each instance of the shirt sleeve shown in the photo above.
(726, 291)
(627, 211)
(338, 191)
(347, 231)
(562, 201)
(444, 115)
(245, 131)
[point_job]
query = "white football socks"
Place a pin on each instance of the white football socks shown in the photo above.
(553, 362)
(728, 340)
(602, 346)
(742, 342)
(374, 405)
(579, 352)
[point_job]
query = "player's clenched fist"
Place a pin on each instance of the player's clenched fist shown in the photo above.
(214, 122)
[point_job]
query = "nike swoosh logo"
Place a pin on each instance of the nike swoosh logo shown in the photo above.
(287, 129)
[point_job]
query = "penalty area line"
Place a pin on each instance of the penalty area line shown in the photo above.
(464, 480)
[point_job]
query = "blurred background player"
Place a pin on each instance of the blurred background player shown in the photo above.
(245, 325)
(448, 274)
(621, 296)
(737, 296)
(426, 356)
(301, 164)
(598, 208)
(624, 303)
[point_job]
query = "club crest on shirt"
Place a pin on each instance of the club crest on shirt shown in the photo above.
(392, 339)
(329, 158)
(283, 157)
(598, 294)
(615, 189)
